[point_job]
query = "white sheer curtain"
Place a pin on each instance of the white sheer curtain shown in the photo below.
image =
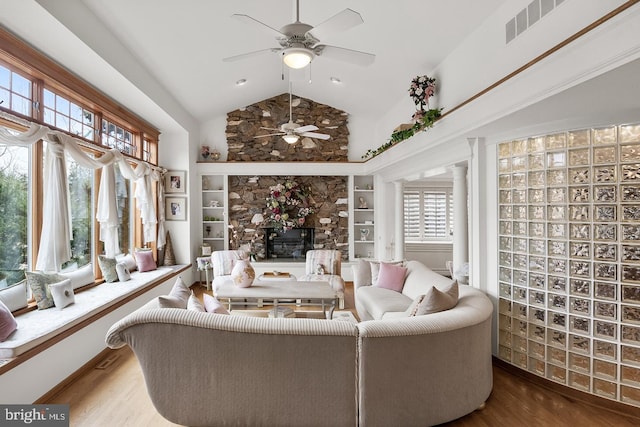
(55, 248)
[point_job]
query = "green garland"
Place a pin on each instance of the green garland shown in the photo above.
(427, 121)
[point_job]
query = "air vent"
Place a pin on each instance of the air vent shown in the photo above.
(108, 361)
(528, 16)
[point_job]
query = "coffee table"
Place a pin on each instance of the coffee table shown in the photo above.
(314, 293)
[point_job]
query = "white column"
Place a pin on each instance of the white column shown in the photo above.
(460, 220)
(399, 214)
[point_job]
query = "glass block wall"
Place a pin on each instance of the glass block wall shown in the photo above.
(569, 258)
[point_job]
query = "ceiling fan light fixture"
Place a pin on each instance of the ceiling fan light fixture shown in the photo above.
(290, 139)
(297, 57)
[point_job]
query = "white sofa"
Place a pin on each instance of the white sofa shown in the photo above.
(234, 370)
(376, 303)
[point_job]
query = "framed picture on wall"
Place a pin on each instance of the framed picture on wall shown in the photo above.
(175, 182)
(175, 208)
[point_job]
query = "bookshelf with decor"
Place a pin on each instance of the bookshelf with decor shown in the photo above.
(363, 223)
(214, 211)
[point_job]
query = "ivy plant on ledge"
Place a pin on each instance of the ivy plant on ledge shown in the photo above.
(422, 88)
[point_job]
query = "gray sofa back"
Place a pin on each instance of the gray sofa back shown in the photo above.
(426, 370)
(206, 369)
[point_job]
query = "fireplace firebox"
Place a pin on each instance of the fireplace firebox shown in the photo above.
(290, 245)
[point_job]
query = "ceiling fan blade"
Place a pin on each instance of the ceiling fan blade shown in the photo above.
(252, 21)
(347, 55)
(249, 54)
(339, 22)
(269, 134)
(316, 135)
(306, 128)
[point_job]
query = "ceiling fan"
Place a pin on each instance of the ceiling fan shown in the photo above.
(291, 132)
(300, 42)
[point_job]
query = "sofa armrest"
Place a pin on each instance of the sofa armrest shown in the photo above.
(361, 274)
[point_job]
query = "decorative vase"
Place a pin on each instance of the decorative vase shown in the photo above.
(243, 274)
(169, 256)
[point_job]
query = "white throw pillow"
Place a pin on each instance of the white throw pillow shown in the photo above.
(194, 304)
(62, 293)
(128, 260)
(123, 271)
(15, 297)
(80, 277)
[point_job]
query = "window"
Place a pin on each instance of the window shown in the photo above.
(36, 88)
(124, 211)
(15, 92)
(81, 198)
(428, 214)
(14, 211)
(115, 136)
(67, 115)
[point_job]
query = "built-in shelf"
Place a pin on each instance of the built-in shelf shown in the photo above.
(214, 230)
(363, 217)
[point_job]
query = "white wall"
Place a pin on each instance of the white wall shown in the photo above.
(484, 57)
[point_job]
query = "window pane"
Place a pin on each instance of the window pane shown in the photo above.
(49, 117)
(4, 98)
(62, 121)
(62, 105)
(49, 99)
(14, 173)
(4, 77)
(81, 201)
(124, 212)
(21, 105)
(20, 85)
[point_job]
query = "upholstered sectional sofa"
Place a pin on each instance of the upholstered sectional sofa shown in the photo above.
(378, 302)
(205, 369)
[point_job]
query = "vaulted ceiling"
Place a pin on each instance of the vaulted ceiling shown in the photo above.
(182, 44)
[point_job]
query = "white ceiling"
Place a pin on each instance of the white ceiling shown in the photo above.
(182, 44)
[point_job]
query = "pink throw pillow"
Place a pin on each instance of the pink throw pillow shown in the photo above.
(212, 305)
(145, 261)
(7, 322)
(391, 277)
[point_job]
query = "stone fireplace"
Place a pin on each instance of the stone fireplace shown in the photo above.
(328, 225)
(247, 197)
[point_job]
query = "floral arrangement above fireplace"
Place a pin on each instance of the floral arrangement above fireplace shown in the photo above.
(288, 205)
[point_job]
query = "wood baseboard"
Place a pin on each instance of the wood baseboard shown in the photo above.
(568, 392)
(83, 370)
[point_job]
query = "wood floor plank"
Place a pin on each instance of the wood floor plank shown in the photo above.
(117, 396)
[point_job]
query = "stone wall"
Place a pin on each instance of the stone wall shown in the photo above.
(247, 197)
(244, 124)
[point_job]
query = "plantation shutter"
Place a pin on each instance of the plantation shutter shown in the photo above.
(428, 214)
(435, 214)
(412, 215)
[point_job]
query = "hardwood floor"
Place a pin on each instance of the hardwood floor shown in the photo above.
(114, 394)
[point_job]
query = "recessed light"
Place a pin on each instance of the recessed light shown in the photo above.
(241, 82)
(335, 80)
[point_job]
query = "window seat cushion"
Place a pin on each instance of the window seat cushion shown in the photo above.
(37, 326)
